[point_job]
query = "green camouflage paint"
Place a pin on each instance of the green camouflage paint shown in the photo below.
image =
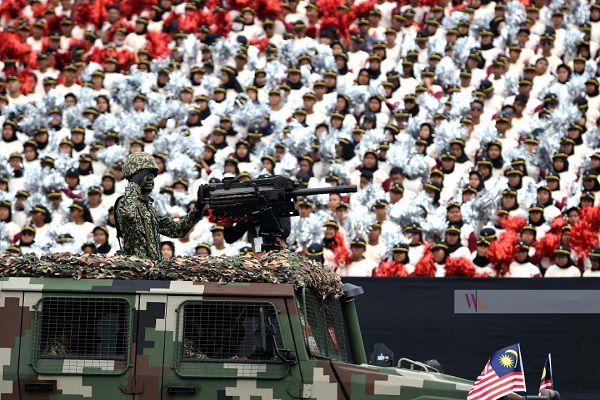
(155, 367)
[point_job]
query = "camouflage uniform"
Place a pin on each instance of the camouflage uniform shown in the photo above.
(56, 348)
(190, 350)
(140, 223)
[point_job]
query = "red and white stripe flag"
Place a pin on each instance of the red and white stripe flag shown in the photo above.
(503, 374)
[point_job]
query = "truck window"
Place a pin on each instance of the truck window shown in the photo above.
(323, 326)
(82, 335)
(217, 331)
(221, 339)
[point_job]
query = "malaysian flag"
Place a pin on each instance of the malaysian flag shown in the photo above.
(547, 382)
(503, 374)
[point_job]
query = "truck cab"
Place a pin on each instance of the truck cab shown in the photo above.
(150, 339)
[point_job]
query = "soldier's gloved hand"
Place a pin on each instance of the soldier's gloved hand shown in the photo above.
(140, 177)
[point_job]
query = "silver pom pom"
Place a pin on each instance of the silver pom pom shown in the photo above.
(519, 153)
(225, 49)
(112, 155)
(403, 153)
(275, 74)
(447, 73)
(369, 195)
(580, 12)
(446, 132)
(572, 39)
(190, 49)
(323, 59)
(451, 21)
(105, 123)
(86, 97)
(461, 50)
(250, 115)
(32, 122)
(340, 170)
(370, 141)
(210, 83)
(86, 75)
(432, 104)
(51, 100)
(299, 140)
(305, 231)
(576, 85)
(592, 138)
(174, 109)
(487, 136)
(436, 46)
(132, 124)
(511, 84)
(226, 107)
(177, 81)
(392, 237)
(4, 232)
(480, 24)
(358, 222)
(413, 128)
(515, 14)
(182, 167)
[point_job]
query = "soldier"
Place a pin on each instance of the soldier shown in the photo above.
(137, 220)
(59, 346)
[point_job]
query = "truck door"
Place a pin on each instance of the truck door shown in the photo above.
(77, 345)
(215, 353)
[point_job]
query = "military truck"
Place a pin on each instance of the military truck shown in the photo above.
(217, 333)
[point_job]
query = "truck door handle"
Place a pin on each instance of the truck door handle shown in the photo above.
(38, 386)
(181, 389)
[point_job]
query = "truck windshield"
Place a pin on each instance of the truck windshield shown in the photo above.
(323, 326)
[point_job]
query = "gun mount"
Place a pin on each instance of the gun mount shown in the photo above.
(261, 201)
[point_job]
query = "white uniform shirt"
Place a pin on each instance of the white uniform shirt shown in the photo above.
(554, 271)
(526, 270)
(363, 267)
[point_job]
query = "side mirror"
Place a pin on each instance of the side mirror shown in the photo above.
(266, 332)
(268, 340)
(381, 356)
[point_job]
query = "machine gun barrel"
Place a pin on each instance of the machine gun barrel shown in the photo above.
(314, 191)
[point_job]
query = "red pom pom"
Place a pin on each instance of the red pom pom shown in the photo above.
(110, 34)
(10, 9)
(514, 224)
(129, 8)
(27, 82)
(361, 10)
(12, 47)
(340, 252)
(502, 252)
(545, 247)
(592, 216)
(425, 266)
(458, 266)
(91, 12)
(391, 269)
(261, 44)
(583, 238)
(158, 44)
(221, 21)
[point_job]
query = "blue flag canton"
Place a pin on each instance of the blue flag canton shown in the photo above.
(506, 361)
(547, 372)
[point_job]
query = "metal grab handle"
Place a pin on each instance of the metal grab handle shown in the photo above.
(38, 386)
(181, 390)
(413, 364)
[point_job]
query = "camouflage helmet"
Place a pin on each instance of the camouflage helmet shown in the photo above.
(138, 161)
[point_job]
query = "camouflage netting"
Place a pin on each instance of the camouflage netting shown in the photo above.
(274, 267)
